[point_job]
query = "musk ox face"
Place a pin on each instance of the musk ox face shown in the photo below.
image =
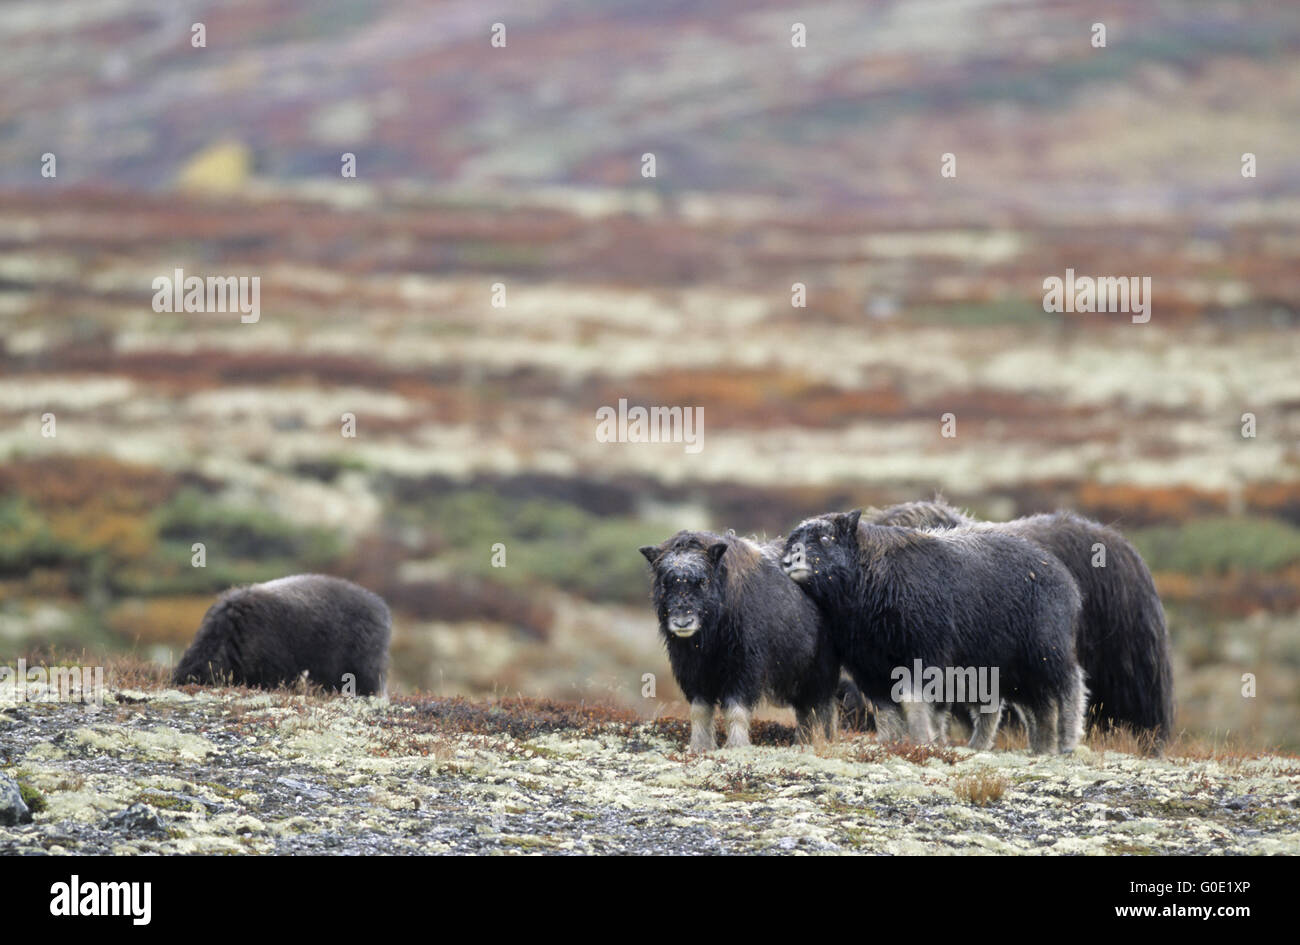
(688, 584)
(821, 548)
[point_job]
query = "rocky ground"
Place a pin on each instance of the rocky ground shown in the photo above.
(234, 771)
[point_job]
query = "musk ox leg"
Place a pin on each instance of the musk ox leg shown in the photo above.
(941, 716)
(804, 719)
(829, 716)
(1042, 723)
(854, 709)
(890, 725)
(984, 729)
(1031, 725)
(1074, 707)
(737, 725)
(920, 722)
(702, 726)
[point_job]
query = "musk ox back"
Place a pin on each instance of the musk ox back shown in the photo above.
(1123, 641)
(738, 630)
(956, 602)
(267, 635)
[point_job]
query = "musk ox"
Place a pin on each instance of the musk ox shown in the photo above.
(267, 635)
(738, 630)
(1123, 642)
(949, 602)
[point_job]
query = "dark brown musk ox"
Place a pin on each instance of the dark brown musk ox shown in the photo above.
(949, 601)
(737, 630)
(1123, 641)
(269, 635)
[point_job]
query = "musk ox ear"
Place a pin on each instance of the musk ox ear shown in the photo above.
(651, 552)
(715, 552)
(849, 522)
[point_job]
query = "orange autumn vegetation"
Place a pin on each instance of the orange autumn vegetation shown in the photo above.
(159, 619)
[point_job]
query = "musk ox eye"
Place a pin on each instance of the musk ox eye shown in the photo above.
(826, 539)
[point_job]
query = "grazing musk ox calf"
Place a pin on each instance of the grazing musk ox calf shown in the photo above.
(266, 635)
(965, 598)
(738, 630)
(1123, 642)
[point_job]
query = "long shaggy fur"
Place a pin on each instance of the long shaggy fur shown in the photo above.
(1123, 641)
(757, 634)
(964, 597)
(266, 635)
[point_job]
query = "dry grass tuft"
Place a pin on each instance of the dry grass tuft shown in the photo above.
(127, 671)
(1188, 748)
(1122, 740)
(980, 789)
(132, 672)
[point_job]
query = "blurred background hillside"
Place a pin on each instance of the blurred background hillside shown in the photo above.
(522, 166)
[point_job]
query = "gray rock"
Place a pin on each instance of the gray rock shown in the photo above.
(12, 809)
(138, 819)
(303, 789)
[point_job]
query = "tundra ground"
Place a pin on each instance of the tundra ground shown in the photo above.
(237, 771)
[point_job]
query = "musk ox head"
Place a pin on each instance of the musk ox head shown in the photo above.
(689, 583)
(822, 550)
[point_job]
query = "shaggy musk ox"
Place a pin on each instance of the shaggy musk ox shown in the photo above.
(738, 630)
(1123, 642)
(963, 598)
(266, 635)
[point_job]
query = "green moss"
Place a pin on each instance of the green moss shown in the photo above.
(1272, 817)
(842, 808)
(529, 843)
(859, 836)
(222, 790)
(33, 798)
(748, 796)
(1219, 545)
(328, 468)
(249, 533)
(1001, 312)
(166, 802)
(25, 541)
(547, 541)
